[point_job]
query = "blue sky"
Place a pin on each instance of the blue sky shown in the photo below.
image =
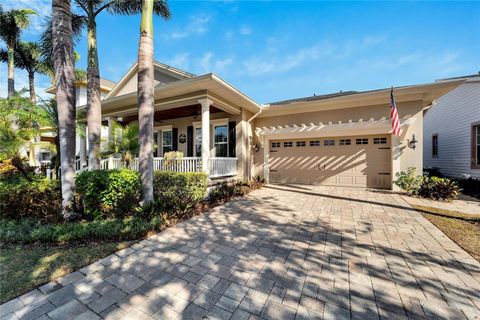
(275, 50)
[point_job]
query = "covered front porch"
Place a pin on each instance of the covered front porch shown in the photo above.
(207, 126)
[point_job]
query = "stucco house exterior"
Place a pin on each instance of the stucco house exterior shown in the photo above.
(452, 131)
(341, 139)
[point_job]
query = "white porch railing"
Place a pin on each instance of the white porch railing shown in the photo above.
(219, 167)
(223, 167)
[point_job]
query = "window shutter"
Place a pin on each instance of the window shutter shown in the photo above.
(232, 138)
(175, 139)
(190, 141)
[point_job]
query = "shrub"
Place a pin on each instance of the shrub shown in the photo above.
(409, 181)
(179, 191)
(108, 193)
(31, 231)
(439, 189)
(470, 187)
(226, 191)
(35, 197)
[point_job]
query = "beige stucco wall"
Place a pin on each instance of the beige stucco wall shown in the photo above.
(407, 110)
(131, 85)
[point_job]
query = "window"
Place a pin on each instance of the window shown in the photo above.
(288, 144)
(435, 145)
(167, 141)
(328, 142)
(315, 143)
(275, 145)
(198, 142)
(379, 140)
(345, 142)
(475, 146)
(301, 143)
(362, 141)
(221, 141)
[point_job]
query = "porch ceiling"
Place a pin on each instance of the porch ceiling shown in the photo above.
(182, 112)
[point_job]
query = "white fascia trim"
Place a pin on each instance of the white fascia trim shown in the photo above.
(163, 128)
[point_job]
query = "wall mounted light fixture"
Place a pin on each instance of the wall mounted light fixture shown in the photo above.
(413, 143)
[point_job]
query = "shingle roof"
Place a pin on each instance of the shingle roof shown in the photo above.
(316, 97)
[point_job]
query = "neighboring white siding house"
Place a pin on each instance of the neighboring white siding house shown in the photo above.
(450, 119)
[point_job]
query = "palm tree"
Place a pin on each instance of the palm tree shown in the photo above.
(11, 24)
(125, 142)
(27, 56)
(145, 74)
(92, 8)
(65, 94)
(46, 46)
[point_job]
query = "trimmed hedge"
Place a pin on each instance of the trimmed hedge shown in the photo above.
(31, 231)
(178, 191)
(36, 197)
(108, 193)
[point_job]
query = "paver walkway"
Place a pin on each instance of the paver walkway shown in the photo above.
(283, 252)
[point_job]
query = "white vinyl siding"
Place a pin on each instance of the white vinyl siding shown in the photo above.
(451, 118)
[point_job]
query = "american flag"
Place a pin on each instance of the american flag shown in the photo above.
(396, 130)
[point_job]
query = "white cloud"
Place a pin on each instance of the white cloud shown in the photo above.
(180, 60)
(282, 64)
(245, 30)
(42, 7)
(208, 63)
(197, 25)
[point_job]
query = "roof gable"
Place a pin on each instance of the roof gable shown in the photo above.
(163, 74)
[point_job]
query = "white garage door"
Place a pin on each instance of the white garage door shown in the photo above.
(359, 161)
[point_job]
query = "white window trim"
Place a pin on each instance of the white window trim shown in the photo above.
(213, 123)
(220, 124)
(171, 140)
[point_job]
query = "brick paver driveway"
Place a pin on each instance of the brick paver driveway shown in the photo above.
(284, 252)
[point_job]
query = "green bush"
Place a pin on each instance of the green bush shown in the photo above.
(108, 193)
(32, 231)
(178, 191)
(35, 197)
(470, 187)
(409, 181)
(226, 190)
(439, 189)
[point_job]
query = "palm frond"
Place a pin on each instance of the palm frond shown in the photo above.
(130, 7)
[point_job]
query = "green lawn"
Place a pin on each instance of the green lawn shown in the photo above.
(462, 228)
(25, 267)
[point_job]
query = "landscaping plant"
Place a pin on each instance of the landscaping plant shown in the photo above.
(108, 193)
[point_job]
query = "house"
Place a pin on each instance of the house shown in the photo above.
(341, 139)
(452, 131)
(40, 150)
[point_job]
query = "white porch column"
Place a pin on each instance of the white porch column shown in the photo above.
(83, 146)
(110, 130)
(396, 152)
(206, 103)
(266, 160)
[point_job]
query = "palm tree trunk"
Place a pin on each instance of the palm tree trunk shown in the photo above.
(31, 83)
(94, 111)
(11, 71)
(65, 93)
(145, 101)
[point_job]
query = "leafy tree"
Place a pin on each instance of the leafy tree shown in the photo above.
(20, 122)
(12, 22)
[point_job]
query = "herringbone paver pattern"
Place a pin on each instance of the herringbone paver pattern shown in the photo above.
(283, 252)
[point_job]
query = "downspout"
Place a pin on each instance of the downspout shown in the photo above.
(249, 121)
